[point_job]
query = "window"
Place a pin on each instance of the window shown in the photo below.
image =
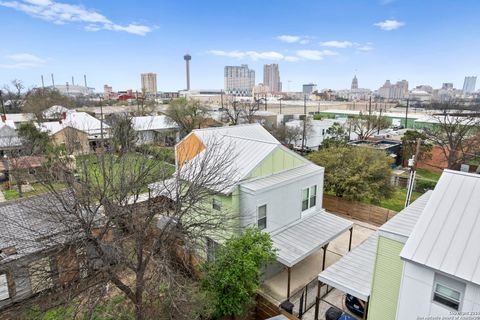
(309, 197)
(448, 292)
(216, 204)
(4, 287)
(262, 217)
(212, 249)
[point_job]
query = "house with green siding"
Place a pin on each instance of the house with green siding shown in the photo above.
(269, 187)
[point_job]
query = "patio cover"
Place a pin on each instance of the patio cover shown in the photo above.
(299, 240)
(353, 273)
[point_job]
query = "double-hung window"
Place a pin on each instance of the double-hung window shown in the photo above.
(262, 217)
(216, 204)
(309, 197)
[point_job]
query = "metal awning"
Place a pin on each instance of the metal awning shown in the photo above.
(353, 273)
(300, 240)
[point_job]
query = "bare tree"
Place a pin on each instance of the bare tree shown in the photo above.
(13, 96)
(136, 240)
(456, 131)
(38, 100)
(366, 125)
(240, 111)
(188, 114)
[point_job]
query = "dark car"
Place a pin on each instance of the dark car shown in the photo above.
(354, 305)
(333, 313)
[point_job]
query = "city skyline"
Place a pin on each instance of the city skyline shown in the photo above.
(325, 43)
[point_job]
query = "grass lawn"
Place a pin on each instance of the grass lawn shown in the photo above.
(397, 201)
(38, 188)
(428, 175)
(134, 164)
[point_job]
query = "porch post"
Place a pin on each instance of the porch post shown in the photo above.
(324, 255)
(365, 309)
(289, 270)
(317, 300)
(350, 241)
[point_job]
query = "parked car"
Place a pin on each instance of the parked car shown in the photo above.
(333, 313)
(354, 305)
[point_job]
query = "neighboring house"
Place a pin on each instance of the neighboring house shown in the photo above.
(10, 143)
(34, 256)
(55, 113)
(74, 140)
(17, 118)
(23, 168)
(422, 263)
(441, 274)
(270, 187)
(82, 121)
(156, 129)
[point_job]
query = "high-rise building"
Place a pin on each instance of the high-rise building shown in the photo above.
(310, 88)
(239, 80)
(469, 84)
(149, 82)
(354, 83)
(395, 91)
(447, 85)
(271, 77)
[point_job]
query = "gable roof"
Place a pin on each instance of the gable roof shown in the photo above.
(55, 111)
(79, 120)
(447, 235)
(153, 123)
(245, 146)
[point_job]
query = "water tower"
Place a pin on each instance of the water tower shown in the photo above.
(187, 59)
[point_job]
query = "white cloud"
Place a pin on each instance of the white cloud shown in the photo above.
(389, 25)
(254, 55)
(22, 61)
(292, 58)
(25, 57)
(62, 13)
(336, 44)
(315, 54)
(293, 39)
(366, 47)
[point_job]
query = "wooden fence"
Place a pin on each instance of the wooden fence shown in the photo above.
(266, 309)
(358, 211)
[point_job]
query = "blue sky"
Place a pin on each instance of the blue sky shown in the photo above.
(326, 42)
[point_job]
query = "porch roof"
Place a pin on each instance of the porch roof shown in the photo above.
(299, 240)
(353, 273)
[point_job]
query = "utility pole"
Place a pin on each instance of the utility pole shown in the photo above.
(280, 104)
(304, 122)
(221, 97)
(265, 101)
(406, 114)
(412, 163)
(370, 106)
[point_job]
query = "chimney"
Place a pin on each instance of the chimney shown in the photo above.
(4, 117)
(64, 115)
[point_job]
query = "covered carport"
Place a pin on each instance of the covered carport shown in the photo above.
(301, 239)
(352, 274)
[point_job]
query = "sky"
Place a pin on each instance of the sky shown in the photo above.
(324, 42)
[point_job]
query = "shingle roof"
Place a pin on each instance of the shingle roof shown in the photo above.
(28, 228)
(447, 235)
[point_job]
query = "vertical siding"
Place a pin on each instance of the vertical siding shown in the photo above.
(386, 280)
(277, 161)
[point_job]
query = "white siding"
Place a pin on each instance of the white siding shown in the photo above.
(417, 290)
(284, 202)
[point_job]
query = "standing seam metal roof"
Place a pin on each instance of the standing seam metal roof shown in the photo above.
(301, 239)
(353, 273)
(447, 235)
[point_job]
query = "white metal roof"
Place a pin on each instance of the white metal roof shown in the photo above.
(299, 240)
(447, 235)
(282, 177)
(353, 273)
(153, 123)
(244, 146)
(79, 120)
(402, 224)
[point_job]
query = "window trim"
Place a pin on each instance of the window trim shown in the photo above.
(216, 204)
(266, 214)
(451, 284)
(5, 274)
(309, 198)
